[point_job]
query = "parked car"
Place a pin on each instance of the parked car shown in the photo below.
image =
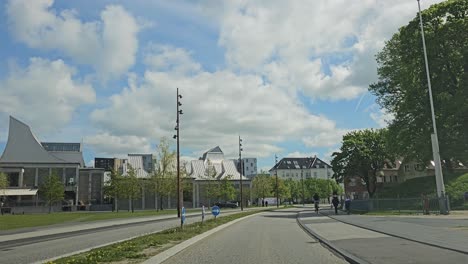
(226, 205)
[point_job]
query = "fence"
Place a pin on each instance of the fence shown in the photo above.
(410, 205)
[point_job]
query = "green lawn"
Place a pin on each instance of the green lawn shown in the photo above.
(8, 221)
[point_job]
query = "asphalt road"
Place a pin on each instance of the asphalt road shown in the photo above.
(270, 237)
(56, 247)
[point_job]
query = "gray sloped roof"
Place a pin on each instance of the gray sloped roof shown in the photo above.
(69, 156)
(23, 147)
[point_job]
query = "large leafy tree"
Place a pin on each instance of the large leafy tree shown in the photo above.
(211, 186)
(52, 190)
(402, 85)
(364, 154)
(3, 185)
(131, 187)
(114, 187)
(263, 186)
(163, 180)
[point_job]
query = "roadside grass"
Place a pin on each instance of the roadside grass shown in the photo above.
(408, 212)
(144, 247)
(8, 222)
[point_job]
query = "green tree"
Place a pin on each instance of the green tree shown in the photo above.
(4, 183)
(262, 186)
(164, 179)
(363, 154)
(114, 187)
(227, 190)
(212, 185)
(131, 187)
(52, 190)
(402, 85)
(294, 188)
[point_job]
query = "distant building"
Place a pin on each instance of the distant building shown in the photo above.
(109, 164)
(212, 166)
(302, 168)
(27, 163)
(249, 167)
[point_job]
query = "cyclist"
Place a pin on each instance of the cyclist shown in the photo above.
(316, 202)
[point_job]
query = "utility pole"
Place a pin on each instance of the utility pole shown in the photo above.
(276, 173)
(435, 141)
(302, 183)
(180, 194)
(240, 173)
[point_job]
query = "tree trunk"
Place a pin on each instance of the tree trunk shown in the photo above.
(133, 209)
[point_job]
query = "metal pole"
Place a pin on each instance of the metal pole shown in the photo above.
(240, 173)
(435, 140)
(178, 167)
(302, 182)
(276, 172)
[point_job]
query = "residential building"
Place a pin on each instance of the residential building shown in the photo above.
(249, 167)
(27, 163)
(302, 168)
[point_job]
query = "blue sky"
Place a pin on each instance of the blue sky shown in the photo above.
(290, 77)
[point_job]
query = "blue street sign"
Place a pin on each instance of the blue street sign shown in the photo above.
(215, 210)
(183, 215)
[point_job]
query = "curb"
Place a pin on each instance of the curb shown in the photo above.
(345, 254)
(163, 256)
(401, 237)
(119, 241)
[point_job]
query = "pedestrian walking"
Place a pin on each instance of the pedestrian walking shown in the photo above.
(316, 202)
(348, 205)
(335, 203)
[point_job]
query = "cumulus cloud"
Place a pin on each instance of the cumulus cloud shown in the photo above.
(298, 154)
(112, 145)
(109, 45)
(325, 49)
(380, 116)
(217, 106)
(325, 139)
(44, 94)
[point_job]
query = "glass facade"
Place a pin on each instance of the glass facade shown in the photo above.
(29, 177)
(42, 174)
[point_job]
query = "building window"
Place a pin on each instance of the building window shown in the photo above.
(407, 167)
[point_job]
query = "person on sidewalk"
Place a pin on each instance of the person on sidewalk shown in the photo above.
(348, 204)
(335, 202)
(316, 202)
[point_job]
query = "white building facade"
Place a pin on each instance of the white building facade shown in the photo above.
(302, 168)
(249, 167)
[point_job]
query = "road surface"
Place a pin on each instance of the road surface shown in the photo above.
(270, 237)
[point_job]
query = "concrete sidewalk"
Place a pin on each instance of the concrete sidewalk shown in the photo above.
(445, 232)
(365, 246)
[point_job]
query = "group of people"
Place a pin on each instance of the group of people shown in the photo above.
(335, 202)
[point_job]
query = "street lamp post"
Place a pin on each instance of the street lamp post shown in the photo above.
(434, 138)
(276, 173)
(240, 173)
(302, 183)
(180, 197)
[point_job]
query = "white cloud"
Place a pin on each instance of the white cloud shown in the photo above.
(168, 58)
(325, 139)
(217, 108)
(109, 45)
(44, 95)
(298, 154)
(381, 117)
(111, 145)
(326, 49)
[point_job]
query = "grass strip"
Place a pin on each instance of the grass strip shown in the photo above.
(141, 248)
(8, 222)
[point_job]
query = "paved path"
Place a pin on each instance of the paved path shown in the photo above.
(441, 231)
(46, 249)
(374, 247)
(270, 237)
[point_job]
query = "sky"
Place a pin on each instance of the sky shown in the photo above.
(289, 77)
